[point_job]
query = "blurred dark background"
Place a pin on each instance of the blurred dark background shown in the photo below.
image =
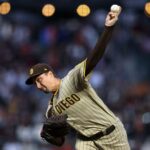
(122, 77)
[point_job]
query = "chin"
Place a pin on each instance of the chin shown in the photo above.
(46, 92)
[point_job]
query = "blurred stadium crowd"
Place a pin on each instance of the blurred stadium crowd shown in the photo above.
(121, 79)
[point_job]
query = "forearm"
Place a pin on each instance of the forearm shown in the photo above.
(99, 49)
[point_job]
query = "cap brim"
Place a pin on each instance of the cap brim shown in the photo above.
(31, 79)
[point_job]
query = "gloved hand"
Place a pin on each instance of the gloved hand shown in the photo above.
(54, 129)
(56, 125)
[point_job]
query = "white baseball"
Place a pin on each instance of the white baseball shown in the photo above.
(115, 8)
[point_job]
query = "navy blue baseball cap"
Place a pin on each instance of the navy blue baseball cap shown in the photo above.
(37, 70)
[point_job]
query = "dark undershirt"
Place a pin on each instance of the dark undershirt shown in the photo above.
(99, 49)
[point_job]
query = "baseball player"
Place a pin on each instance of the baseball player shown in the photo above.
(96, 125)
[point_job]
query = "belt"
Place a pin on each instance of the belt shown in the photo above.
(97, 135)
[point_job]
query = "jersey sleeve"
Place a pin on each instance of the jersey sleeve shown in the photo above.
(77, 74)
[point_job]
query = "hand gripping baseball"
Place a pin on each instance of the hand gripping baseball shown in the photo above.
(112, 16)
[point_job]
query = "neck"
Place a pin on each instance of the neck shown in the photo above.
(57, 85)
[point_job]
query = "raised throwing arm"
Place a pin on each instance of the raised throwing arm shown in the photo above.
(102, 42)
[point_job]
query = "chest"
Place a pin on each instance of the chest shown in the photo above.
(68, 99)
(65, 103)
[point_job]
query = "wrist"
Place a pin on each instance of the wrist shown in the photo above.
(109, 27)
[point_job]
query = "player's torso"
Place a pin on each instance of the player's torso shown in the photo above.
(86, 111)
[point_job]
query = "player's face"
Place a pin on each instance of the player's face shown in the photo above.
(45, 82)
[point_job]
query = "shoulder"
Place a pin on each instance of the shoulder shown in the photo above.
(78, 67)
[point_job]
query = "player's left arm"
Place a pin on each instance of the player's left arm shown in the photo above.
(102, 42)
